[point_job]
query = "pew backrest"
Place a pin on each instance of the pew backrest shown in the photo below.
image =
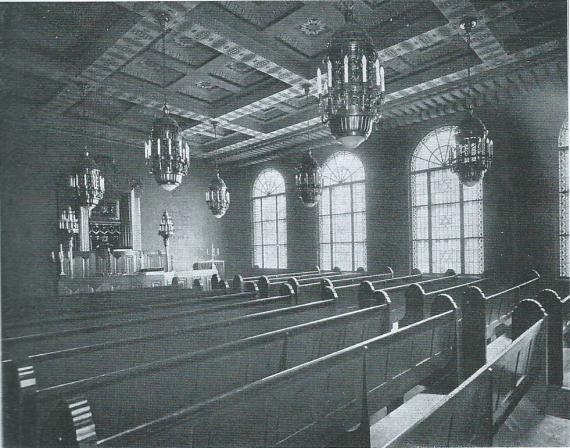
(472, 413)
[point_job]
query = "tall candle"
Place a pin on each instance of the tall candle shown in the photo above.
(346, 68)
(382, 85)
(319, 81)
(329, 73)
(377, 71)
(364, 74)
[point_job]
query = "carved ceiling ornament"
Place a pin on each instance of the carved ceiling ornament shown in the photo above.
(313, 27)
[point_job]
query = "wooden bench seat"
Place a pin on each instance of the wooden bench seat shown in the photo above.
(208, 372)
(311, 404)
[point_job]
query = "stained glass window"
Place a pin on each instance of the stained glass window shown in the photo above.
(269, 220)
(342, 213)
(447, 218)
(564, 171)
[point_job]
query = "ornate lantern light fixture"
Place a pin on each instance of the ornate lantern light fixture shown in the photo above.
(308, 181)
(352, 95)
(87, 182)
(166, 153)
(472, 153)
(218, 195)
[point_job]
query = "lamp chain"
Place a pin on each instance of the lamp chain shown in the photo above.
(163, 20)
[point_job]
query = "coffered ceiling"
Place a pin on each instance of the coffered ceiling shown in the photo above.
(95, 68)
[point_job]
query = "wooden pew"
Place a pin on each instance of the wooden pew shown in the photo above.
(210, 372)
(268, 287)
(419, 301)
(68, 322)
(473, 413)
(315, 270)
(311, 404)
(304, 290)
(489, 316)
(238, 281)
(558, 328)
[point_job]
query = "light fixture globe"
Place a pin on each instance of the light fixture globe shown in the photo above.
(472, 154)
(166, 152)
(308, 181)
(218, 197)
(352, 95)
(87, 182)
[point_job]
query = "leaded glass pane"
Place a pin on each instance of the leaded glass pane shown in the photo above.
(564, 172)
(421, 255)
(360, 260)
(419, 189)
(256, 210)
(324, 203)
(341, 199)
(358, 199)
(473, 219)
(282, 256)
(474, 193)
(341, 225)
(325, 230)
(269, 208)
(281, 207)
(257, 254)
(420, 223)
(433, 149)
(268, 182)
(270, 257)
(445, 221)
(325, 256)
(359, 227)
(446, 255)
(444, 187)
(342, 167)
(269, 232)
(563, 136)
(257, 235)
(282, 231)
(342, 256)
(473, 255)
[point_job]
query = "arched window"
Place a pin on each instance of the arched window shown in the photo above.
(447, 218)
(269, 220)
(564, 171)
(342, 213)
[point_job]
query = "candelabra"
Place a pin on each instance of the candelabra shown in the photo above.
(59, 258)
(68, 227)
(166, 230)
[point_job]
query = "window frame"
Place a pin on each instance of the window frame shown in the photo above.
(563, 197)
(278, 235)
(429, 205)
(328, 190)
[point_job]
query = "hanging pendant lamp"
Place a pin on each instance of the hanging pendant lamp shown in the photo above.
(218, 195)
(352, 95)
(472, 154)
(308, 180)
(166, 153)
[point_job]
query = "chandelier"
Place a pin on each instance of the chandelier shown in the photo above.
(351, 99)
(218, 196)
(166, 153)
(87, 182)
(472, 153)
(308, 181)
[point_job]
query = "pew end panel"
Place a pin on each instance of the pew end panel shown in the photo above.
(474, 328)
(554, 306)
(389, 271)
(361, 270)
(415, 271)
(294, 283)
(324, 283)
(263, 285)
(337, 269)
(251, 287)
(224, 286)
(285, 289)
(214, 281)
(237, 283)
(365, 291)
